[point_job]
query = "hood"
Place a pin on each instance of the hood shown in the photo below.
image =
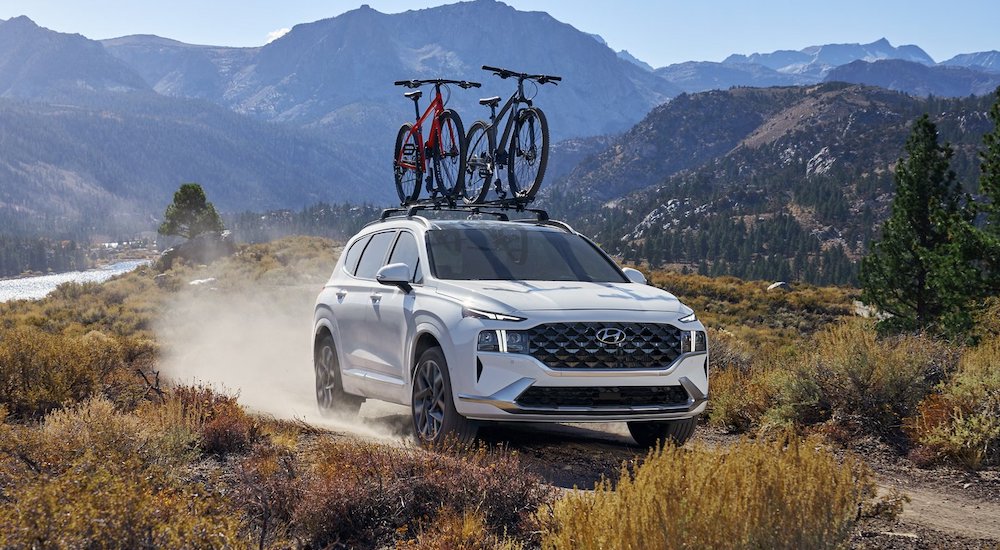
(562, 295)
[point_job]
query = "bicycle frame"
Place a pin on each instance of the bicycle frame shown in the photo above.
(512, 103)
(436, 107)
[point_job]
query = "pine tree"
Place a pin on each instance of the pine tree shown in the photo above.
(919, 272)
(190, 214)
(989, 186)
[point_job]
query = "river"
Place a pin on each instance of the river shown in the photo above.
(33, 288)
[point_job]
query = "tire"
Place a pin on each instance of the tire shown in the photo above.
(407, 165)
(649, 434)
(330, 396)
(479, 169)
(529, 153)
(449, 155)
(435, 420)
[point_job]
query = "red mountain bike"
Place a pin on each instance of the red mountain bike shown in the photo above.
(441, 158)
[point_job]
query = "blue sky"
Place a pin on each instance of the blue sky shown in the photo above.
(659, 32)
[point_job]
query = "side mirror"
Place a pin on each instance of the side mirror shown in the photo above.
(395, 275)
(635, 275)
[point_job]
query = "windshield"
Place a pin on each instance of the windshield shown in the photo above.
(517, 254)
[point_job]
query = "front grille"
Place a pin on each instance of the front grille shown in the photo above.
(603, 396)
(576, 346)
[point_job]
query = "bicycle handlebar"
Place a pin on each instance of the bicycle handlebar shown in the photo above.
(418, 83)
(507, 73)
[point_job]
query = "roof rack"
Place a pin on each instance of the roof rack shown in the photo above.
(497, 208)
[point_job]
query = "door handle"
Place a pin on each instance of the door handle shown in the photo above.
(376, 298)
(341, 294)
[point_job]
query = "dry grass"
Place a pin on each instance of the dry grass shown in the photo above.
(784, 494)
(749, 312)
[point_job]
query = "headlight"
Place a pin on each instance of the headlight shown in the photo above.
(693, 340)
(480, 314)
(504, 341)
(689, 318)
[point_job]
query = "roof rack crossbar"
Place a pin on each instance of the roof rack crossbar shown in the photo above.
(497, 208)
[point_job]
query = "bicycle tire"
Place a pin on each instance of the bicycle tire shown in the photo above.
(480, 146)
(526, 165)
(449, 155)
(409, 173)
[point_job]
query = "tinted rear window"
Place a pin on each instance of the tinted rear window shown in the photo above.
(517, 254)
(354, 254)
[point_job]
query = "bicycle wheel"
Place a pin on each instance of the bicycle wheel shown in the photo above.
(479, 147)
(407, 165)
(449, 155)
(529, 153)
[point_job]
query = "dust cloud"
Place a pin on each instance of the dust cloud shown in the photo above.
(258, 344)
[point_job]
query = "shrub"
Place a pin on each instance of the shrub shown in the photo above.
(858, 380)
(40, 372)
(93, 477)
(450, 531)
(101, 504)
(753, 495)
(267, 490)
(366, 494)
(217, 422)
(962, 420)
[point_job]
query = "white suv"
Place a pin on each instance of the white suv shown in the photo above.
(495, 320)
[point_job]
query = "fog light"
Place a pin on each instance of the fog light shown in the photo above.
(488, 341)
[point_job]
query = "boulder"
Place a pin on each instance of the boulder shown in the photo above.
(780, 285)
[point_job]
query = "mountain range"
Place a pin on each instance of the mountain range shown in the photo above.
(95, 127)
(781, 182)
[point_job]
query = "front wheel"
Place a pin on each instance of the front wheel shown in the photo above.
(449, 155)
(330, 395)
(650, 433)
(529, 153)
(479, 167)
(435, 420)
(408, 164)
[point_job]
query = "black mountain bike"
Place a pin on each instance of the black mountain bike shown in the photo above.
(523, 147)
(443, 153)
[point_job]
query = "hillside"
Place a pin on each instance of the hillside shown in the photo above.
(114, 164)
(793, 187)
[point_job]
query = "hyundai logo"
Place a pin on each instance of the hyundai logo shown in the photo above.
(611, 336)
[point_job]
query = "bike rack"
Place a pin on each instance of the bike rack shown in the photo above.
(497, 208)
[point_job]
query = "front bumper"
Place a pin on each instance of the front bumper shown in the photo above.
(503, 378)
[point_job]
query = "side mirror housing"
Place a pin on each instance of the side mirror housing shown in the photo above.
(395, 275)
(635, 276)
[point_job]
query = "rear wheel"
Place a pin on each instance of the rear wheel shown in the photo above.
(479, 167)
(407, 165)
(449, 155)
(648, 434)
(529, 153)
(435, 420)
(330, 395)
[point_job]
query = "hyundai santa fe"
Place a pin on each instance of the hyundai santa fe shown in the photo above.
(477, 320)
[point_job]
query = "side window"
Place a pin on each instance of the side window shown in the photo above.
(373, 255)
(354, 254)
(406, 252)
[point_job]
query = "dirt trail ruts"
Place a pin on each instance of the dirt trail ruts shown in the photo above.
(948, 512)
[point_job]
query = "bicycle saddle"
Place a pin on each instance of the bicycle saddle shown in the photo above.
(414, 95)
(491, 101)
